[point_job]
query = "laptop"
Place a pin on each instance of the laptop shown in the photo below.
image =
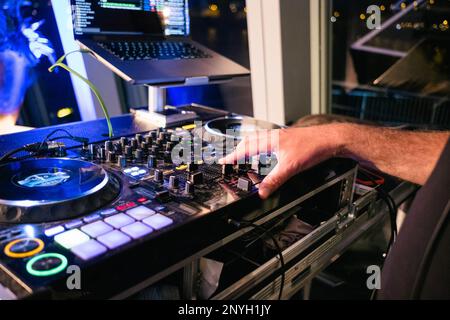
(148, 42)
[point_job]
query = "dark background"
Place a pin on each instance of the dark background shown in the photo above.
(404, 98)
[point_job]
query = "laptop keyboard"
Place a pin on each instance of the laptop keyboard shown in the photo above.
(153, 50)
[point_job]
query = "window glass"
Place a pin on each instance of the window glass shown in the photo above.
(391, 61)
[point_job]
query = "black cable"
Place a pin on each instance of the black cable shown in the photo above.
(393, 218)
(40, 147)
(243, 224)
(69, 136)
(34, 147)
(252, 241)
(52, 133)
(77, 139)
(8, 155)
(392, 207)
(58, 130)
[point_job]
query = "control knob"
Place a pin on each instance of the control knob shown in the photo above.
(189, 188)
(122, 161)
(174, 182)
(149, 139)
(108, 146)
(144, 146)
(152, 162)
(170, 146)
(110, 157)
(139, 138)
(102, 154)
(138, 155)
(227, 169)
(158, 176)
(124, 142)
(134, 143)
(196, 178)
(118, 148)
(93, 151)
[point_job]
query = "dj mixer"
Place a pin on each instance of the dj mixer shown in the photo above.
(120, 210)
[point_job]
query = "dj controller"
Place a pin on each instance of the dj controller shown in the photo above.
(119, 210)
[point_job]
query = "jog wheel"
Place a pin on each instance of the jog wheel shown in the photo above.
(236, 127)
(46, 190)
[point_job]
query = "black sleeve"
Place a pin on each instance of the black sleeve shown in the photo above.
(418, 265)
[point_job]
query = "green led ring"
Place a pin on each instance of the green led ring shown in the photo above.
(47, 273)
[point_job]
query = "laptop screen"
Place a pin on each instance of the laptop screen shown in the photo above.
(131, 17)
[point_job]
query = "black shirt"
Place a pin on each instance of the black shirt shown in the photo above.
(418, 266)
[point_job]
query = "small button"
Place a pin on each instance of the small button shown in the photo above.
(89, 250)
(54, 231)
(108, 212)
(71, 238)
(16, 233)
(92, 218)
(140, 213)
(114, 239)
(142, 200)
(163, 196)
(96, 229)
(126, 206)
(158, 221)
(137, 230)
(120, 220)
(121, 208)
(244, 184)
(73, 224)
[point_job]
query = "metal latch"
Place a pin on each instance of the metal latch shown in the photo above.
(345, 217)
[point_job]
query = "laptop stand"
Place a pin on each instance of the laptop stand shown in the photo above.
(162, 115)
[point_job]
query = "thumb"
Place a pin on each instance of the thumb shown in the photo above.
(279, 175)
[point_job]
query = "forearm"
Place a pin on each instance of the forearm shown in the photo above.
(411, 156)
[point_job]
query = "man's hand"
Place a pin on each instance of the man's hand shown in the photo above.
(408, 155)
(296, 149)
